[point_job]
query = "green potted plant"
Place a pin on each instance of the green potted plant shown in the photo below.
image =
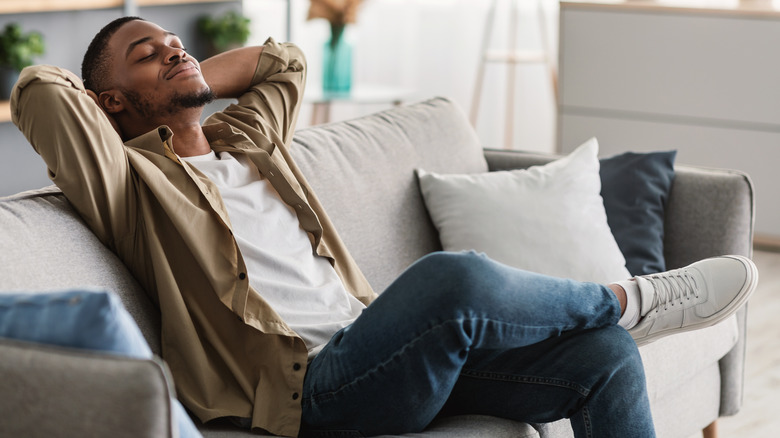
(225, 32)
(17, 50)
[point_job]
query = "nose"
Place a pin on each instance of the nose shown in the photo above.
(176, 54)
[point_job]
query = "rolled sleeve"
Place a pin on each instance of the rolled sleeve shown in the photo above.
(277, 88)
(84, 155)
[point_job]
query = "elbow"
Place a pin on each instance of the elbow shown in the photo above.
(288, 56)
(296, 57)
(38, 84)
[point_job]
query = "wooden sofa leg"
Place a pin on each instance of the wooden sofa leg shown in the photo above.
(711, 431)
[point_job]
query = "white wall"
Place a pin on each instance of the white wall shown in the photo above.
(431, 47)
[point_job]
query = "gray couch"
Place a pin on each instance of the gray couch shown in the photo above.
(363, 172)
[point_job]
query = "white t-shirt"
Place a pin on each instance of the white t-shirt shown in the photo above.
(282, 266)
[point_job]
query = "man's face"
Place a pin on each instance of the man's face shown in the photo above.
(151, 68)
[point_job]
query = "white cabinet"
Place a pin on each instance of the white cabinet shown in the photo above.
(646, 75)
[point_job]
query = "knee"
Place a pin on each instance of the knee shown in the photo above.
(464, 265)
(460, 275)
(615, 352)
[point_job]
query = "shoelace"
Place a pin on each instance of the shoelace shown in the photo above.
(671, 288)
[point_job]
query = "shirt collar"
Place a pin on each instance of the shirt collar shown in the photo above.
(218, 134)
(223, 131)
(152, 141)
(157, 141)
(222, 135)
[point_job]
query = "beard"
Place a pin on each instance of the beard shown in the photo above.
(196, 99)
(179, 101)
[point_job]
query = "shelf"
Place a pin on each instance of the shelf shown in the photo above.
(22, 6)
(27, 6)
(174, 2)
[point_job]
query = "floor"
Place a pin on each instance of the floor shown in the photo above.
(759, 416)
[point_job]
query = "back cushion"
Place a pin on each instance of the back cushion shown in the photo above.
(44, 245)
(363, 172)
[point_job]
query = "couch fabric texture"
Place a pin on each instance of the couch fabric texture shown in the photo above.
(363, 172)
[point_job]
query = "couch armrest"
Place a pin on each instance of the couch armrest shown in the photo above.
(710, 212)
(52, 391)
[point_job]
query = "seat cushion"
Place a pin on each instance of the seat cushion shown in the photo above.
(462, 426)
(671, 361)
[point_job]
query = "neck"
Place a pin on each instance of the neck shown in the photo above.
(189, 139)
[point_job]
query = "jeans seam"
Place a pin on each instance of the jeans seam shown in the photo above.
(561, 383)
(586, 421)
(331, 394)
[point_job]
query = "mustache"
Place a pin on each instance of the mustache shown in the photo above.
(175, 65)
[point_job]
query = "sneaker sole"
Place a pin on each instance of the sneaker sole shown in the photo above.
(742, 297)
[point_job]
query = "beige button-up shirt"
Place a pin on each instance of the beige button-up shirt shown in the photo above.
(229, 352)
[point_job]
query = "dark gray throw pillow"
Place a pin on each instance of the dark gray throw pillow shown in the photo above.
(635, 188)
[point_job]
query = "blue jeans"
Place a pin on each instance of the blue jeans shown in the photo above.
(458, 333)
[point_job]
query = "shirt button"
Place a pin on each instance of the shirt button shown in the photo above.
(271, 174)
(242, 276)
(299, 206)
(296, 367)
(295, 396)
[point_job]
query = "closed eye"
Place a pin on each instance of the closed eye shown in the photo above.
(147, 57)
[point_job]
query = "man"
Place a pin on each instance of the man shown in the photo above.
(267, 320)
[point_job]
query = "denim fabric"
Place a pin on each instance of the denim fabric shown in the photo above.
(459, 333)
(84, 319)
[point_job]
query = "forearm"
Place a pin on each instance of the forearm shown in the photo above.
(276, 88)
(84, 155)
(230, 74)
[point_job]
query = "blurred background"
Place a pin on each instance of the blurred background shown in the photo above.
(402, 51)
(697, 76)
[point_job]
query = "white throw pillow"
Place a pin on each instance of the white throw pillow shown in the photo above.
(548, 219)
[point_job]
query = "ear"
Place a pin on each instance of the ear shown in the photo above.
(112, 101)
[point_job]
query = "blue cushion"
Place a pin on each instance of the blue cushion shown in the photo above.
(84, 319)
(635, 188)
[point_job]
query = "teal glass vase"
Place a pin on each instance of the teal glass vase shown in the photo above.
(337, 63)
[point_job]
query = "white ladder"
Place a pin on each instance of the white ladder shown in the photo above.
(511, 57)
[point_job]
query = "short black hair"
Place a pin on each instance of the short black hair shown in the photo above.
(94, 67)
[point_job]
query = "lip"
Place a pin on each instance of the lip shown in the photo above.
(179, 68)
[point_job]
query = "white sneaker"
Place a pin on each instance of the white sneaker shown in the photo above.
(696, 296)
